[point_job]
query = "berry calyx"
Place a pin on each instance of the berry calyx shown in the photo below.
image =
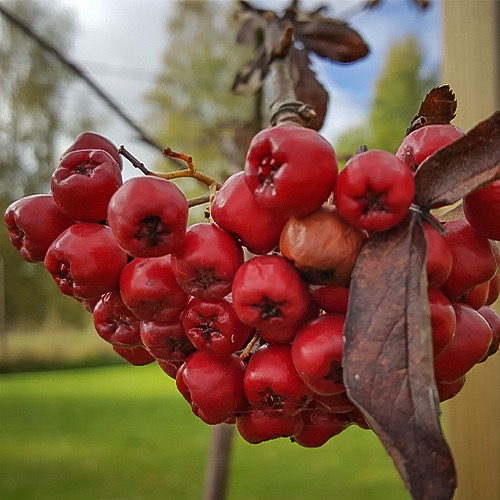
(374, 191)
(269, 294)
(148, 216)
(207, 261)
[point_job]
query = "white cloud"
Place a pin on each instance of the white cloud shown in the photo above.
(344, 112)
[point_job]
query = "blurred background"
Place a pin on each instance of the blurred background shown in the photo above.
(76, 422)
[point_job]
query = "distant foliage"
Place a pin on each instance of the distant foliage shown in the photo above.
(31, 87)
(192, 107)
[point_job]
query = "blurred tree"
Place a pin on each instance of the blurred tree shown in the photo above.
(31, 123)
(192, 107)
(399, 91)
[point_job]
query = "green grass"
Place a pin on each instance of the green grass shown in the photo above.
(125, 433)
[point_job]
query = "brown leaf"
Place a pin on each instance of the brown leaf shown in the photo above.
(307, 87)
(460, 168)
(388, 358)
(331, 39)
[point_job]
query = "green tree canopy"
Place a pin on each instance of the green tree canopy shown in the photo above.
(192, 107)
(31, 87)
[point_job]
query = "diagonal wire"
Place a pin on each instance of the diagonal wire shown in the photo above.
(80, 73)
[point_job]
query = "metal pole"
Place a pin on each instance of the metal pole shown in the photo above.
(3, 331)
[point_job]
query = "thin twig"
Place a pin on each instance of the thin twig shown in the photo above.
(133, 160)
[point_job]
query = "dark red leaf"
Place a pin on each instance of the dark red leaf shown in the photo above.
(307, 87)
(388, 358)
(422, 4)
(458, 169)
(331, 39)
(439, 106)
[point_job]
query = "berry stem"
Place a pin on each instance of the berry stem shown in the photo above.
(429, 218)
(248, 349)
(190, 171)
(198, 200)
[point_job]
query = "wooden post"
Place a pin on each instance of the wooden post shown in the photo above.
(218, 464)
(471, 66)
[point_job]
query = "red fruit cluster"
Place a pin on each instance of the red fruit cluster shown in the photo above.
(246, 311)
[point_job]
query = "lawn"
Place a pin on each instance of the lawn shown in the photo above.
(125, 433)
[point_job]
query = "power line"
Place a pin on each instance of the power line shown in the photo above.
(80, 74)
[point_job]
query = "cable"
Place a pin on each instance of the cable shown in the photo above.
(80, 74)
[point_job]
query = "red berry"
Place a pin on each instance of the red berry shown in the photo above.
(374, 190)
(213, 385)
(473, 259)
(269, 294)
(136, 356)
(482, 210)
(443, 320)
(449, 390)
(333, 403)
(207, 261)
(332, 298)
(317, 354)
(115, 322)
(34, 222)
(214, 326)
(256, 426)
(493, 289)
(290, 170)
(93, 140)
(468, 346)
(85, 260)
(477, 296)
(439, 257)
(235, 210)
(272, 382)
(287, 335)
(425, 141)
(154, 332)
(148, 216)
(493, 319)
(150, 290)
(166, 341)
(319, 427)
(83, 183)
(168, 367)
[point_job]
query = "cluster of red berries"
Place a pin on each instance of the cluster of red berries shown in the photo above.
(246, 311)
